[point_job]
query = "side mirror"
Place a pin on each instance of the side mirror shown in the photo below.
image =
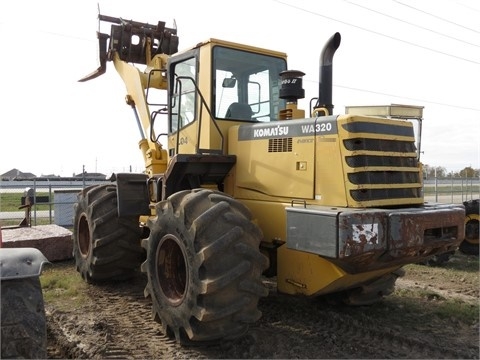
(229, 82)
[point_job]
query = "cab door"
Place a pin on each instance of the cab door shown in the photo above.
(183, 124)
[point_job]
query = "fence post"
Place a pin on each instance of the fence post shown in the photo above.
(451, 176)
(35, 202)
(50, 198)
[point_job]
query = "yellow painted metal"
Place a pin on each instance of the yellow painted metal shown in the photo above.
(311, 275)
(300, 272)
(291, 112)
(342, 121)
(214, 41)
(472, 217)
(261, 174)
(136, 82)
(329, 185)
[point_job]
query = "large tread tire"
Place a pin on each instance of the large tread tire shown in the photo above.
(204, 267)
(105, 246)
(470, 245)
(24, 326)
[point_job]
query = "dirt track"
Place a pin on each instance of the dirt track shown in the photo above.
(116, 323)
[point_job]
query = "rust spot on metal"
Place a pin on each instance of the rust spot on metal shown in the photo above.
(409, 237)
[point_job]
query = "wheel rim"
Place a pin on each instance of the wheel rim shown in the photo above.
(83, 237)
(472, 229)
(171, 270)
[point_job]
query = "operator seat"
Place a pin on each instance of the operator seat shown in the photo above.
(240, 111)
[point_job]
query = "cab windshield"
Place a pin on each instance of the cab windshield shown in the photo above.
(247, 85)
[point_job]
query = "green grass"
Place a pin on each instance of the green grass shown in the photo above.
(12, 201)
(434, 304)
(62, 286)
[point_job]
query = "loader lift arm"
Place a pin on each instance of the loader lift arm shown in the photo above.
(139, 43)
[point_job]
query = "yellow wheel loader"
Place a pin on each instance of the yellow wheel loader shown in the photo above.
(247, 186)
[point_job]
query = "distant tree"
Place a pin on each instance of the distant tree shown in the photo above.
(469, 172)
(432, 171)
(426, 170)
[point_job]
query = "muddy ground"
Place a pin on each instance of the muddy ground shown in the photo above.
(433, 314)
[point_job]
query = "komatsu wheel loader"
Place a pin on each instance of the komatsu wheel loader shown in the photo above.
(248, 186)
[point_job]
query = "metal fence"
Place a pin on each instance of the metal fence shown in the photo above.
(53, 202)
(61, 196)
(451, 190)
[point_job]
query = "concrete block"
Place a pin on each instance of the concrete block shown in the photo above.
(55, 242)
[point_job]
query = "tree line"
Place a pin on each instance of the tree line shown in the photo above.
(441, 172)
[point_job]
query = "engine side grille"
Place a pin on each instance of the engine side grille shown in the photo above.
(381, 194)
(383, 177)
(379, 145)
(381, 163)
(280, 145)
(369, 160)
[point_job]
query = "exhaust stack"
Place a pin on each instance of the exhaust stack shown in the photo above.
(324, 101)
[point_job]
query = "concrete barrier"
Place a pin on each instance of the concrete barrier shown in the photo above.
(55, 242)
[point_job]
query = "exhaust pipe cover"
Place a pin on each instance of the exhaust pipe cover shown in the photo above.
(326, 73)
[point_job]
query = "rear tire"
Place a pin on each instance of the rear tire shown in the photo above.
(24, 326)
(105, 247)
(470, 245)
(204, 267)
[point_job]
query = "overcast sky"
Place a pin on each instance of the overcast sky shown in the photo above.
(414, 52)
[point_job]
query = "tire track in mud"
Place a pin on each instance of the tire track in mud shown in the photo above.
(117, 323)
(346, 332)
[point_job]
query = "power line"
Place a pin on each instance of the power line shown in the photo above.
(410, 23)
(468, 7)
(399, 96)
(376, 32)
(406, 97)
(435, 16)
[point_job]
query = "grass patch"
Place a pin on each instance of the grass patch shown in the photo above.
(430, 303)
(12, 201)
(62, 286)
(465, 263)
(460, 266)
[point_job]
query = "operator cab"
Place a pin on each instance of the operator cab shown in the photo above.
(235, 83)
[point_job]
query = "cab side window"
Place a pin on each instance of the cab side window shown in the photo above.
(183, 98)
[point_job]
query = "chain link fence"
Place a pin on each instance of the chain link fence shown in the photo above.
(51, 202)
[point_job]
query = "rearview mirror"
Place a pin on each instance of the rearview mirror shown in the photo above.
(229, 82)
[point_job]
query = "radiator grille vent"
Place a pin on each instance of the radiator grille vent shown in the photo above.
(379, 145)
(358, 161)
(381, 194)
(280, 145)
(381, 168)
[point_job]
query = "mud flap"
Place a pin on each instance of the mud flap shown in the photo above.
(132, 194)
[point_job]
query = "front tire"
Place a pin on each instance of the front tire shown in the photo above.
(105, 247)
(204, 267)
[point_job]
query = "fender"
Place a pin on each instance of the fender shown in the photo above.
(19, 263)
